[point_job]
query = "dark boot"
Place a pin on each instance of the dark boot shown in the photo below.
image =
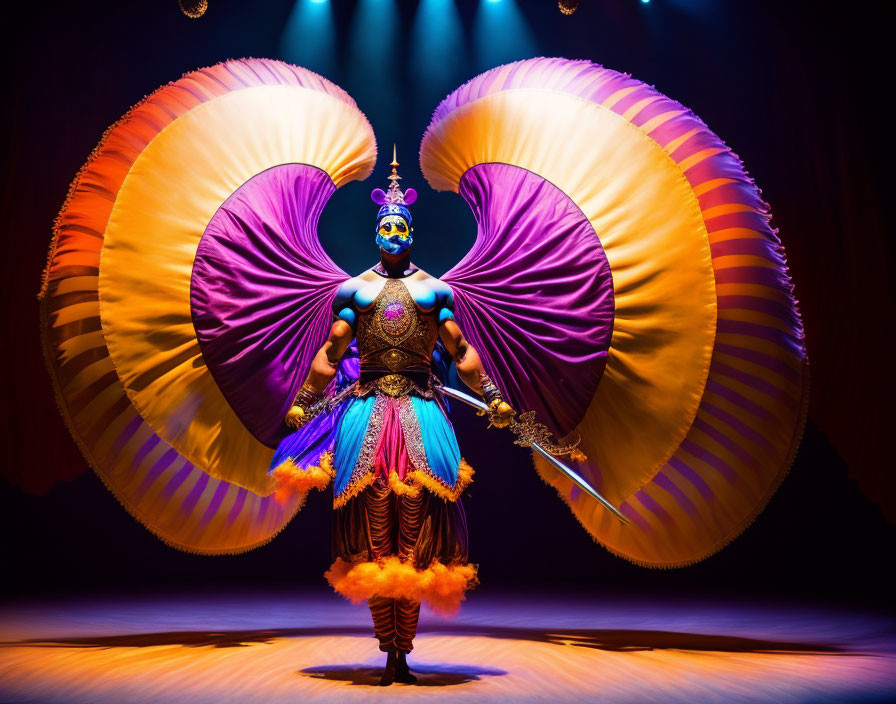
(389, 673)
(402, 671)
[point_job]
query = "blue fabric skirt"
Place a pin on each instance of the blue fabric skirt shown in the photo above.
(424, 422)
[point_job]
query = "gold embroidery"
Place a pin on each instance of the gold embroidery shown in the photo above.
(352, 490)
(394, 334)
(395, 359)
(393, 384)
(371, 437)
(413, 438)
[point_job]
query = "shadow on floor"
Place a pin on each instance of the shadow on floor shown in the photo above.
(614, 640)
(430, 675)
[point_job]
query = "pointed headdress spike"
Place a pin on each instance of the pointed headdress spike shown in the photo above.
(394, 201)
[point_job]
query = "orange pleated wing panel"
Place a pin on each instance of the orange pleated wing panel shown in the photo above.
(170, 437)
(690, 393)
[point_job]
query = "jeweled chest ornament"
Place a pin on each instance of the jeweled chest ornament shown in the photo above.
(396, 318)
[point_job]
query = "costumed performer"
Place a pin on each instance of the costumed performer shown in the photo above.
(625, 294)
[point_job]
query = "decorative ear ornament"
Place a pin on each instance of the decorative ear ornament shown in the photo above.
(378, 196)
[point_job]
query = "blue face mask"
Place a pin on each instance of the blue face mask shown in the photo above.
(393, 235)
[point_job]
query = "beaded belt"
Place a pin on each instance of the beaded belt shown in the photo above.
(393, 384)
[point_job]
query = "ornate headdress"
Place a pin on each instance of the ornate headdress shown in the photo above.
(394, 201)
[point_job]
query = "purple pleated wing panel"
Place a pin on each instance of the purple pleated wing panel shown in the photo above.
(700, 408)
(534, 295)
(261, 293)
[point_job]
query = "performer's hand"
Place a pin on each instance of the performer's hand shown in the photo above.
(500, 413)
(295, 417)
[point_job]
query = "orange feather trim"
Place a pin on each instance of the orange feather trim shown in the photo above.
(289, 478)
(442, 587)
(402, 488)
(411, 485)
(464, 477)
(353, 490)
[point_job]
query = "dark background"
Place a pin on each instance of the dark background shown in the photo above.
(797, 89)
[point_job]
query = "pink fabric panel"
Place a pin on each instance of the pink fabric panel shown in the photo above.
(391, 452)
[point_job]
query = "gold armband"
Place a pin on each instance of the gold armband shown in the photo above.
(303, 402)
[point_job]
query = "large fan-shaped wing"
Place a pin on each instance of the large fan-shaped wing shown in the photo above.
(695, 417)
(186, 292)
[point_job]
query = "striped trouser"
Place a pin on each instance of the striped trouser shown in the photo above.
(394, 523)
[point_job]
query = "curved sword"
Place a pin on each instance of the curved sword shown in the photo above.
(571, 474)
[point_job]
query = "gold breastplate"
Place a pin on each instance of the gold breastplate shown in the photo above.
(395, 339)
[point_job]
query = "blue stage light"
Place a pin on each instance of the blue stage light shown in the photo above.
(309, 36)
(501, 34)
(374, 45)
(439, 60)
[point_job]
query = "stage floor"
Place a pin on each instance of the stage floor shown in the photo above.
(272, 647)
